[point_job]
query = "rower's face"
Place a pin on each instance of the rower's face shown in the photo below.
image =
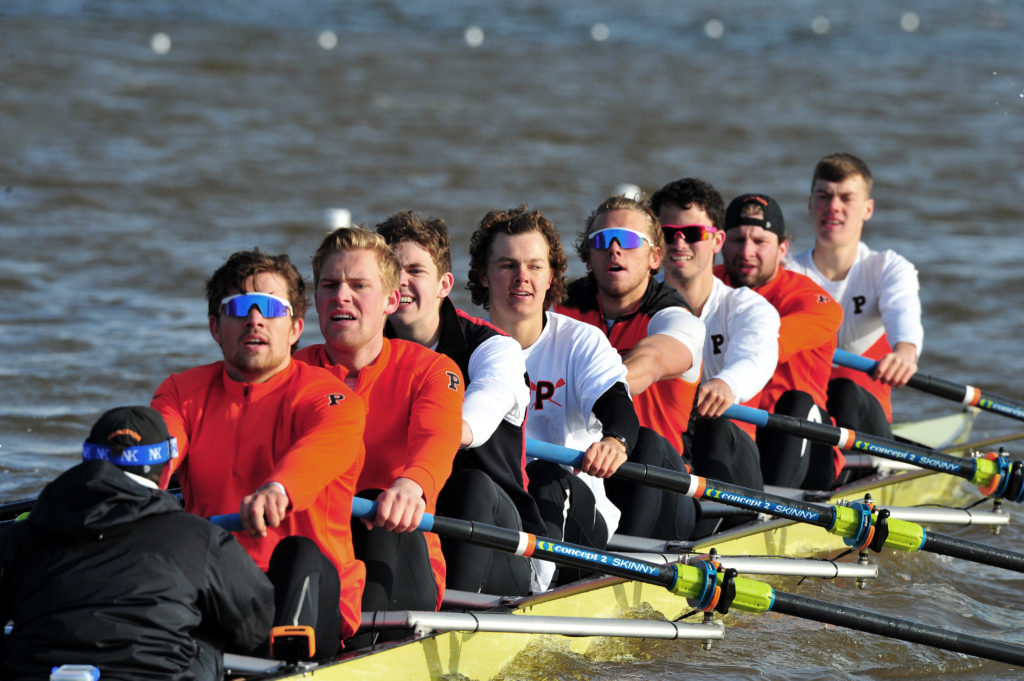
(622, 271)
(421, 286)
(839, 210)
(351, 301)
(684, 260)
(257, 347)
(518, 276)
(752, 255)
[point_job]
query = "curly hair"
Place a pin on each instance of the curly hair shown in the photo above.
(514, 221)
(230, 278)
(620, 202)
(430, 234)
(691, 192)
(358, 239)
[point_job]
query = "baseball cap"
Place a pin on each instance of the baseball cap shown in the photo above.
(130, 436)
(772, 220)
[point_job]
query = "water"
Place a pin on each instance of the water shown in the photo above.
(130, 175)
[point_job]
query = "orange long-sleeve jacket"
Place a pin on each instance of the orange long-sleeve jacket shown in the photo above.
(413, 425)
(302, 428)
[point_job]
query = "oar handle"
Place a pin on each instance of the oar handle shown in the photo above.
(554, 453)
(854, 361)
(361, 508)
(966, 395)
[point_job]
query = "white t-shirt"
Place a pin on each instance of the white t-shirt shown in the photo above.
(880, 295)
(571, 364)
(742, 345)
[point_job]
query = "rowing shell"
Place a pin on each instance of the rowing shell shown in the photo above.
(483, 655)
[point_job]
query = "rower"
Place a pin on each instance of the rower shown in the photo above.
(741, 346)
(109, 571)
(487, 482)
(258, 435)
(755, 244)
(413, 425)
(580, 397)
(878, 291)
(660, 341)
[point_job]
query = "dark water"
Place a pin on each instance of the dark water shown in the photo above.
(130, 174)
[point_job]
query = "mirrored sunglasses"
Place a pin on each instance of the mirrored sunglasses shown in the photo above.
(239, 305)
(691, 233)
(627, 238)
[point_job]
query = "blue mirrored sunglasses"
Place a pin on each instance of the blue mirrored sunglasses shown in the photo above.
(239, 305)
(627, 238)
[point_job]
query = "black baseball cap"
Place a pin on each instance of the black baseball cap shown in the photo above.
(130, 436)
(772, 220)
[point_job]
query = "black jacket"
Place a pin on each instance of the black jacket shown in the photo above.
(108, 572)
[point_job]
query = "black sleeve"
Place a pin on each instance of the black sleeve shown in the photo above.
(615, 411)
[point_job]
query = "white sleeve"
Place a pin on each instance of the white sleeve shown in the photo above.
(680, 324)
(497, 387)
(753, 349)
(899, 302)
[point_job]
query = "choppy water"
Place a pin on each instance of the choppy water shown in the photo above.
(129, 174)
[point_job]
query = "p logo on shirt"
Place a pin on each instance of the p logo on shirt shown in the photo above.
(335, 398)
(453, 380)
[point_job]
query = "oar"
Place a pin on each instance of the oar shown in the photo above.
(706, 587)
(859, 524)
(995, 475)
(958, 392)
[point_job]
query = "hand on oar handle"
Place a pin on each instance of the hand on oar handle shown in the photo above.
(266, 507)
(898, 366)
(604, 457)
(400, 507)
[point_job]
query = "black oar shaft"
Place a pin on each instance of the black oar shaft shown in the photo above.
(728, 494)
(894, 627)
(975, 552)
(958, 392)
(562, 553)
(841, 437)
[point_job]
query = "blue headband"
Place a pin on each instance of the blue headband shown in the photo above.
(142, 455)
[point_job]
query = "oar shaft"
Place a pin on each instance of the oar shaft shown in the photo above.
(905, 630)
(697, 487)
(844, 438)
(975, 552)
(967, 395)
(525, 544)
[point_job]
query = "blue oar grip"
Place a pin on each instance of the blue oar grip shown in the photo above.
(229, 521)
(759, 417)
(554, 453)
(361, 508)
(852, 361)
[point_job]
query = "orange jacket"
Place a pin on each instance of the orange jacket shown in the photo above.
(302, 428)
(807, 336)
(414, 422)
